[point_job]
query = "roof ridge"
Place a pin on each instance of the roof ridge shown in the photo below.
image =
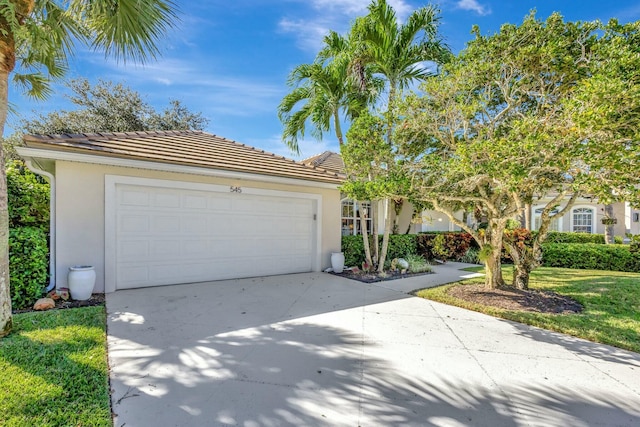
(89, 135)
(324, 156)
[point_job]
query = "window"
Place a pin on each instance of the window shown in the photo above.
(555, 222)
(582, 220)
(351, 217)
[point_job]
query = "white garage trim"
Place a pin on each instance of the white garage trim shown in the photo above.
(111, 204)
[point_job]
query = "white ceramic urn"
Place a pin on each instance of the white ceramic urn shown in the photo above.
(81, 280)
(337, 262)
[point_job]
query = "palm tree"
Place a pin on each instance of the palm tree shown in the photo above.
(39, 36)
(323, 92)
(397, 53)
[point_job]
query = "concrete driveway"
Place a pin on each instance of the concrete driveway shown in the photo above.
(314, 349)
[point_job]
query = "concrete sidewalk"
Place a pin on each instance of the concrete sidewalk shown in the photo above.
(316, 349)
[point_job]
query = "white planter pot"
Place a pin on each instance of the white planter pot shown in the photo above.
(337, 262)
(81, 280)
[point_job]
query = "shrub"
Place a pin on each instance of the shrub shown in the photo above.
(353, 249)
(448, 245)
(400, 245)
(570, 237)
(472, 256)
(27, 265)
(590, 256)
(417, 264)
(28, 197)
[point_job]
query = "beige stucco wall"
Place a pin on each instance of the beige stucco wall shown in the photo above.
(437, 221)
(80, 224)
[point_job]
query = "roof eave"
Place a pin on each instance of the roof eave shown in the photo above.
(71, 156)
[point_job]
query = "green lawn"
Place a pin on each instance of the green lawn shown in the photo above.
(611, 303)
(54, 370)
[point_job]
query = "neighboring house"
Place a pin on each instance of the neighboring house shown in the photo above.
(585, 216)
(160, 208)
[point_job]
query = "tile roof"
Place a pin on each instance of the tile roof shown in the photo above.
(328, 160)
(189, 148)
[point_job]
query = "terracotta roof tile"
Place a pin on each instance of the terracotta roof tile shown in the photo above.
(328, 160)
(190, 148)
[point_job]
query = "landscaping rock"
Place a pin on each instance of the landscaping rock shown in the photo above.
(44, 304)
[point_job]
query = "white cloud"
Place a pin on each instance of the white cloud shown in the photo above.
(473, 5)
(333, 15)
(309, 33)
(198, 84)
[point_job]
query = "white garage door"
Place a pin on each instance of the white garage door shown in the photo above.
(175, 235)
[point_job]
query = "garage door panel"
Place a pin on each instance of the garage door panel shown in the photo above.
(133, 248)
(195, 224)
(170, 235)
(164, 224)
(219, 203)
(133, 197)
(134, 223)
(167, 200)
(195, 202)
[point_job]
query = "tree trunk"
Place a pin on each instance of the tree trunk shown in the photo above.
(527, 216)
(365, 236)
(493, 271)
(521, 275)
(523, 264)
(376, 239)
(338, 128)
(385, 236)
(608, 229)
(5, 295)
(492, 263)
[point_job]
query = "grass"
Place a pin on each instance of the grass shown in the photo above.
(54, 370)
(611, 302)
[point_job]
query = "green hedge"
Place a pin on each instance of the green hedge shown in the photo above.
(28, 197)
(400, 245)
(570, 237)
(441, 245)
(590, 256)
(27, 265)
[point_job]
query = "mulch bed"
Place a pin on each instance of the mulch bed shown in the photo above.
(516, 299)
(375, 277)
(96, 299)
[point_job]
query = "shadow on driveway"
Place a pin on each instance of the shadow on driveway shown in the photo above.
(314, 349)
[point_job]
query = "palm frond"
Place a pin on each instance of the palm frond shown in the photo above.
(126, 29)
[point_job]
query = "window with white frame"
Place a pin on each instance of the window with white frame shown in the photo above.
(582, 220)
(351, 217)
(537, 220)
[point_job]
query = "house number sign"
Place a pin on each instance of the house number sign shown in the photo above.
(235, 189)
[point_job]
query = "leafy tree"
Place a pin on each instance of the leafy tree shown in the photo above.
(39, 36)
(499, 128)
(367, 157)
(111, 107)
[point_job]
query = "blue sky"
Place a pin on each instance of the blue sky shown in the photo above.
(230, 59)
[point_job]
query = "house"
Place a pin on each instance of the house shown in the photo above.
(160, 208)
(585, 216)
